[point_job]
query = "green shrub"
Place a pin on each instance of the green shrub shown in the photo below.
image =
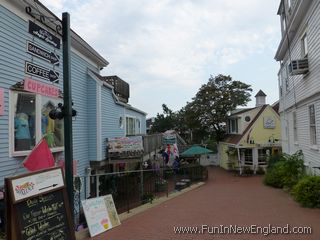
(286, 172)
(274, 159)
(260, 171)
(274, 176)
(307, 191)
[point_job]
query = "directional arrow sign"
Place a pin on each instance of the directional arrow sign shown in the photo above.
(40, 52)
(38, 71)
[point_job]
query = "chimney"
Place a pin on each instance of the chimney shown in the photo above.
(260, 98)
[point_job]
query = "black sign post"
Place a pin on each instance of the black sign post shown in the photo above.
(67, 102)
(41, 72)
(44, 35)
(40, 52)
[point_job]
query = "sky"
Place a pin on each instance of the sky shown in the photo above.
(167, 49)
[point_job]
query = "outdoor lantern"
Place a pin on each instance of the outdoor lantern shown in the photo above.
(58, 112)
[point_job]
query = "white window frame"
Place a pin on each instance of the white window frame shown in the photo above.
(312, 125)
(136, 130)
(38, 105)
(304, 45)
(247, 156)
(289, 4)
(280, 85)
(295, 127)
(263, 158)
(231, 130)
(283, 23)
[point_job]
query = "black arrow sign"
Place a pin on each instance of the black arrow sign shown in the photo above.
(40, 52)
(41, 72)
(51, 186)
(54, 76)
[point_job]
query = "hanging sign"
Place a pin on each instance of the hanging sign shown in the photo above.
(37, 206)
(38, 71)
(34, 86)
(1, 101)
(38, 51)
(44, 35)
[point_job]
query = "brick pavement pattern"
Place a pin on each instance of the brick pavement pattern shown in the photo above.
(225, 199)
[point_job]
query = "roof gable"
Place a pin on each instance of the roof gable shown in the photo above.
(236, 138)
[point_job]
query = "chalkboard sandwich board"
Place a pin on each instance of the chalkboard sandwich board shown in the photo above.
(37, 207)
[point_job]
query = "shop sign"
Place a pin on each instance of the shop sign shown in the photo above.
(38, 51)
(44, 89)
(44, 35)
(41, 72)
(125, 144)
(101, 214)
(37, 206)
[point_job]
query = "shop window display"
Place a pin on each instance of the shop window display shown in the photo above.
(32, 121)
(24, 122)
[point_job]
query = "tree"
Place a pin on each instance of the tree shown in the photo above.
(164, 121)
(215, 100)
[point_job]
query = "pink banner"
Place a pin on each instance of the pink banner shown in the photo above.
(34, 86)
(1, 101)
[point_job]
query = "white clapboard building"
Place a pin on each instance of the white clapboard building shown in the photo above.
(299, 79)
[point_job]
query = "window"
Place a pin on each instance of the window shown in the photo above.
(280, 85)
(133, 126)
(246, 156)
(138, 127)
(130, 126)
(286, 77)
(304, 46)
(312, 121)
(295, 132)
(263, 155)
(233, 125)
(289, 4)
(30, 122)
(283, 22)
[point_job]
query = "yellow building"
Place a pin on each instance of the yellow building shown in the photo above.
(253, 135)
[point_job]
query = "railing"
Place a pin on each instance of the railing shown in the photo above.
(133, 188)
(152, 142)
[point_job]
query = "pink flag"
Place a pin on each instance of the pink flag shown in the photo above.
(39, 158)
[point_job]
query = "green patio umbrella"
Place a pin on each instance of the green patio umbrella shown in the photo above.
(195, 150)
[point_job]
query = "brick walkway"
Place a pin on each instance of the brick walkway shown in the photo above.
(225, 199)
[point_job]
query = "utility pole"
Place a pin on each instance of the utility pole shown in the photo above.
(67, 99)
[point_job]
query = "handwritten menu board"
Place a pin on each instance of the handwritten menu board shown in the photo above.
(43, 217)
(101, 214)
(38, 210)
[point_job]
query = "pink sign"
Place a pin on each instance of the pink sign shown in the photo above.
(34, 86)
(1, 101)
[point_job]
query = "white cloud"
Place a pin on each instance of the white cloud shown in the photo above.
(151, 43)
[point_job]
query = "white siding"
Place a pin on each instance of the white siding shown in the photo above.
(303, 90)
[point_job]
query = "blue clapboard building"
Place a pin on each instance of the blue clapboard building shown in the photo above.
(31, 86)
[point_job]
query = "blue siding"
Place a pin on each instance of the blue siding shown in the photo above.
(92, 119)
(13, 36)
(110, 114)
(80, 85)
